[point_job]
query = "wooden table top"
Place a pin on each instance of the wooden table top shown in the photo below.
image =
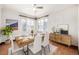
(23, 41)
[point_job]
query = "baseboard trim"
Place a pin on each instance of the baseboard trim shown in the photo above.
(74, 46)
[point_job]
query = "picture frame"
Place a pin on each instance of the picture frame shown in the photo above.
(63, 26)
(13, 23)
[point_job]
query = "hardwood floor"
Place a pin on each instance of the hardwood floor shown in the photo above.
(62, 49)
(4, 49)
(65, 50)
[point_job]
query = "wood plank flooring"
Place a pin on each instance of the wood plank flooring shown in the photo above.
(65, 50)
(4, 49)
(62, 49)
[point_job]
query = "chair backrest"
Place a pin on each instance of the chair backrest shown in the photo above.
(12, 43)
(37, 42)
(46, 39)
(14, 48)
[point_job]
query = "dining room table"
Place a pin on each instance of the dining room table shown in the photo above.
(23, 41)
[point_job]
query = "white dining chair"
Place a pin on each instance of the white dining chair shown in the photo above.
(46, 40)
(46, 44)
(36, 47)
(10, 50)
(14, 49)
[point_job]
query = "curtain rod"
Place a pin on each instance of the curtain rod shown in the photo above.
(26, 16)
(43, 16)
(34, 17)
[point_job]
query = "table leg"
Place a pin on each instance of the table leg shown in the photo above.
(24, 51)
(27, 50)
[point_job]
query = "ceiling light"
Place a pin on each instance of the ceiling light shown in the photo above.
(39, 7)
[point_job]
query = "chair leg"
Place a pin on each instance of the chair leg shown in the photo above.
(44, 51)
(25, 52)
(49, 48)
(40, 52)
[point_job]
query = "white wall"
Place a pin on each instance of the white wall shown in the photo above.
(66, 16)
(0, 11)
(78, 27)
(0, 15)
(9, 14)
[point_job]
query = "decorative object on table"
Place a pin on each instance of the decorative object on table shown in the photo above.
(32, 32)
(53, 29)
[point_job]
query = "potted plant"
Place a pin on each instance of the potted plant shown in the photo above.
(7, 31)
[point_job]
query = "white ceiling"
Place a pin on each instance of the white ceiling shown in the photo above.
(28, 8)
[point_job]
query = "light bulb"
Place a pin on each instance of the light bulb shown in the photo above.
(34, 9)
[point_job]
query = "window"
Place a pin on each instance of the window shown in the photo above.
(42, 25)
(26, 25)
(30, 24)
